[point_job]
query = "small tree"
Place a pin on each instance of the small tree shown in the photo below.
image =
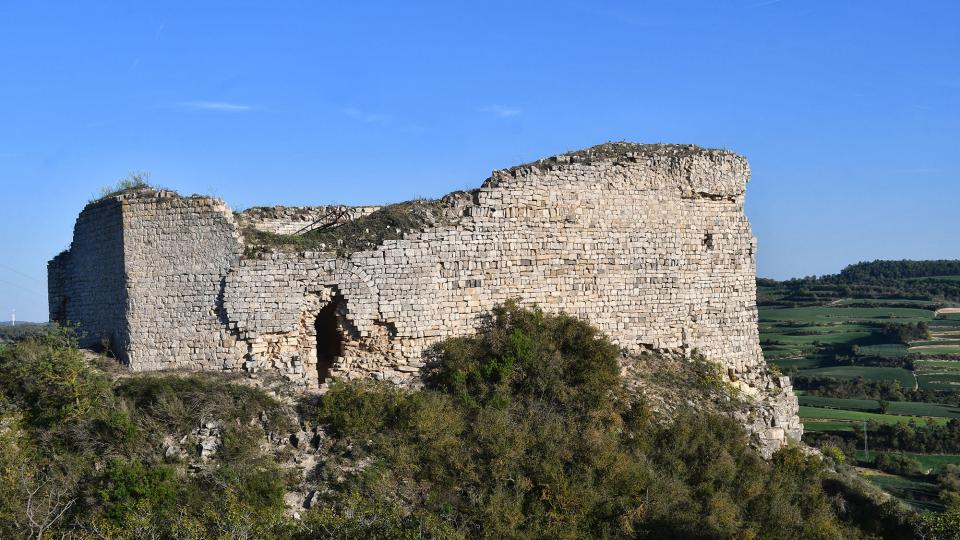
(884, 406)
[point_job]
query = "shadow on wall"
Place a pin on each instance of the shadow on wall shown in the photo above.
(329, 338)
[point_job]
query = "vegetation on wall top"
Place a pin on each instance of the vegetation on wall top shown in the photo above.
(367, 232)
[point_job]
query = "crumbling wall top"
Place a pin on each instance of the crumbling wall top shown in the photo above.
(694, 170)
(147, 193)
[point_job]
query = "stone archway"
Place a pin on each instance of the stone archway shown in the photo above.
(329, 338)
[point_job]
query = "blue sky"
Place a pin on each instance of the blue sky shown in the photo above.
(847, 110)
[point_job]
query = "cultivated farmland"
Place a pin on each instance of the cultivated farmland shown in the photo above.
(880, 355)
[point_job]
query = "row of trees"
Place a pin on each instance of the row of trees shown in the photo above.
(896, 270)
(860, 388)
(912, 437)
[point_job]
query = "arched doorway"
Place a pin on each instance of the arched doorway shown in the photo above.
(329, 339)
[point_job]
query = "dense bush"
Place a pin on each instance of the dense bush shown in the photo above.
(524, 432)
(895, 463)
(82, 456)
(905, 332)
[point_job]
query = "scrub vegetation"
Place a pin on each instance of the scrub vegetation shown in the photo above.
(391, 222)
(524, 431)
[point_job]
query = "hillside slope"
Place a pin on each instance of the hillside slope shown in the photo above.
(528, 429)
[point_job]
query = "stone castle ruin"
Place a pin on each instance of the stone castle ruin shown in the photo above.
(647, 242)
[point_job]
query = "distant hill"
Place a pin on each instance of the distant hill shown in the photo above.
(921, 281)
(10, 332)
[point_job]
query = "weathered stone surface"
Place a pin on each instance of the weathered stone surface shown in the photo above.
(647, 242)
(299, 219)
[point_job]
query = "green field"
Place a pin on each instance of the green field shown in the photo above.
(825, 333)
(935, 351)
(884, 351)
(902, 408)
(823, 315)
(811, 425)
(921, 495)
(937, 365)
(870, 373)
(939, 381)
(932, 462)
(944, 324)
(858, 416)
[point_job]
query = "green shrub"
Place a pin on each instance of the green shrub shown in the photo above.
(524, 431)
(126, 484)
(941, 526)
(80, 452)
(359, 517)
(133, 180)
(834, 453)
(527, 355)
(894, 463)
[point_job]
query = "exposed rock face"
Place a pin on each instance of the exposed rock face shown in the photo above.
(647, 242)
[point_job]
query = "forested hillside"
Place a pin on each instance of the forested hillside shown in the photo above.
(923, 281)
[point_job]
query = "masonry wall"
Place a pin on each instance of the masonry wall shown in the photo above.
(178, 252)
(648, 243)
(655, 250)
(87, 283)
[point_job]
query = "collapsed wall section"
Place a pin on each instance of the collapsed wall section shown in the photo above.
(300, 219)
(87, 282)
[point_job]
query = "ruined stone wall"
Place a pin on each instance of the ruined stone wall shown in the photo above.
(648, 243)
(86, 284)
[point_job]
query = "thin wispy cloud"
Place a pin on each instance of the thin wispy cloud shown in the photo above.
(222, 106)
(501, 111)
(366, 116)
